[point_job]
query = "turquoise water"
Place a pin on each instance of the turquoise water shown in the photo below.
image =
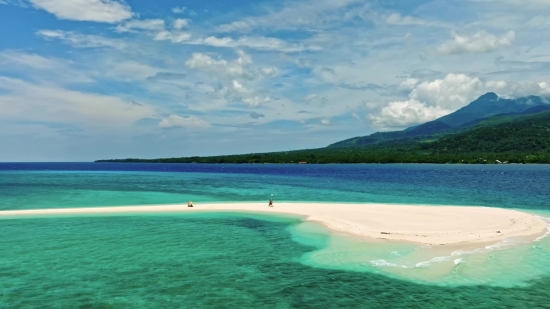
(252, 261)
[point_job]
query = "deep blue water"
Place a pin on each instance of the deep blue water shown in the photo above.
(515, 186)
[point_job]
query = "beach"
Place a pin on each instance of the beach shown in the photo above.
(427, 225)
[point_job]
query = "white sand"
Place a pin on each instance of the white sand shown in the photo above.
(434, 225)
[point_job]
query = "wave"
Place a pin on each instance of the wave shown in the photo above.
(456, 256)
(547, 220)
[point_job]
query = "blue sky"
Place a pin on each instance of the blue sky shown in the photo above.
(91, 79)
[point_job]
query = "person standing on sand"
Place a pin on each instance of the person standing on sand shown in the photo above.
(270, 201)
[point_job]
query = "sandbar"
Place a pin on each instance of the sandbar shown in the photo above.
(428, 225)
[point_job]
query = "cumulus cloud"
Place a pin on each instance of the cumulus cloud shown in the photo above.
(479, 42)
(450, 93)
(238, 68)
(519, 89)
(107, 11)
(175, 121)
(81, 40)
(233, 77)
(180, 23)
(409, 83)
(405, 113)
(326, 122)
(236, 91)
(430, 100)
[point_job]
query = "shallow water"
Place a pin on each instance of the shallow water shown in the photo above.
(251, 261)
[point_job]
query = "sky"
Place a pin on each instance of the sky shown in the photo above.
(82, 80)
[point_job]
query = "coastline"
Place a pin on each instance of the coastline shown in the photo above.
(425, 225)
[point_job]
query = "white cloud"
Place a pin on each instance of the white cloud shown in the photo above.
(326, 122)
(175, 121)
(479, 42)
(107, 11)
(179, 10)
(239, 87)
(521, 89)
(174, 37)
(409, 83)
(430, 100)
(233, 81)
(236, 92)
(21, 100)
(259, 42)
(256, 100)
(401, 114)
(232, 69)
(30, 60)
(37, 67)
(155, 28)
(450, 93)
(81, 40)
(268, 71)
(180, 23)
(400, 20)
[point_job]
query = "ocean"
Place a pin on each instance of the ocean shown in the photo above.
(222, 260)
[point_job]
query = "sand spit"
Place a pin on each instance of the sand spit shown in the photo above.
(429, 225)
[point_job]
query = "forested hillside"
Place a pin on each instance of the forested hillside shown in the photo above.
(521, 139)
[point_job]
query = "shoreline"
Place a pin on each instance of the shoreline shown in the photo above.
(425, 225)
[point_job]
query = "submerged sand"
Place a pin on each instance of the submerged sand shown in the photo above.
(430, 225)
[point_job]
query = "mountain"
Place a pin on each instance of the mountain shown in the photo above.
(484, 107)
(519, 139)
(527, 134)
(488, 130)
